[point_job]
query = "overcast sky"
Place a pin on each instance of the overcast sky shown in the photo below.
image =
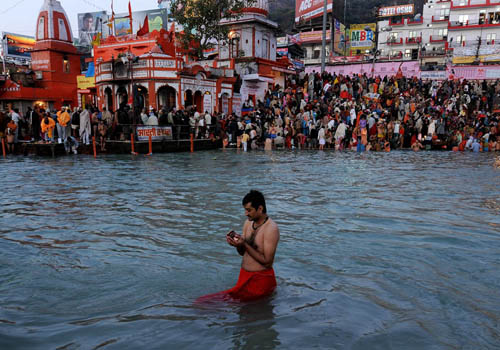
(19, 16)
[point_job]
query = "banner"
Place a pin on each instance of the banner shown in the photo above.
(309, 9)
(91, 24)
(17, 45)
(344, 59)
(314, 37)
(360, 38)
(434, 75)
(399, 10)
(157, 133)
(339, 40)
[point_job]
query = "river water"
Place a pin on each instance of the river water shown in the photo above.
(377, 251)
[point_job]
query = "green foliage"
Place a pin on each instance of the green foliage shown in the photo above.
(200, 19)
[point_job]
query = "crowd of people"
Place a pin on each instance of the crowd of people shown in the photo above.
(324, 111)
(314, 111)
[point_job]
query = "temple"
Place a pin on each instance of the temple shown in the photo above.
(52, 80)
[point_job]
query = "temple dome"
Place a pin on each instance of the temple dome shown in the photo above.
(53, 23)
(260, 7)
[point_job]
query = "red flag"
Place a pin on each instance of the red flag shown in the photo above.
(130, 16)
(145, 28)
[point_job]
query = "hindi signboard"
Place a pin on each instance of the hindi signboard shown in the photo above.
(157, 133)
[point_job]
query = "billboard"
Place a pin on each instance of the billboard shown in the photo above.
(90, 24)
(308, 9)
(360, 38)
(399, 10)
(314, 36)
(157, 19)
(17, 45)
(339, 39)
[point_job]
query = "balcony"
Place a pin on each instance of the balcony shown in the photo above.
(438, 39)
(467, 4)
(411, 21)
(395, 41)
(436, 19)
(414, 40)
(393, 24)
(471, 24)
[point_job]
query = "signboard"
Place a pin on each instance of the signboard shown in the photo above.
(237, 104)
(157, 133)
(399, 10)
(16, 45)
(91, 24)
(314, 37)
(85, 83)
(207, 103)
(309, 9)
(360, 38)
(434, 75)
(339, 42)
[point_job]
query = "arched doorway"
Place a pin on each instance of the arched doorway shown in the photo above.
(141, 98)
(198, 101)
(122, 96)
(188, 99)
(108, 93)
(167, 97)
(224, 104)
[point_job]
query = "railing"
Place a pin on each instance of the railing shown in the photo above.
(440, 19)
(414, 40)
(473, 24)
(458, 4)
(179, 131)
(438, 39)
(395, 41)
(392, 24)
(410, 21)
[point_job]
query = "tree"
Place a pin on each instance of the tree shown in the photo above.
(201, 18)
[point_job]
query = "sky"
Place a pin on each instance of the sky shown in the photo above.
(19, 16)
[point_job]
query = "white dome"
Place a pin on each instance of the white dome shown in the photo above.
(53, 23)
(259, 7)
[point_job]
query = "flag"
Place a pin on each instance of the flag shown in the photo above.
(97, 39)
(145, 27)
(130, 16)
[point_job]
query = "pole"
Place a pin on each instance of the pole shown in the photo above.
(94, 147)
(345, 30)
(3, 147)
(192, 143)
(132, 144)
(150, 146)
(323, 42)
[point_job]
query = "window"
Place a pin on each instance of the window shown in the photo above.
(41, 29)
(490, 38)
(63, 34)
(463, 19)
(408, 53)
(460, 39)
(316, 54)
(412, 34)
(66, 67)
(265, 48)
(443, 32)
(235, 45)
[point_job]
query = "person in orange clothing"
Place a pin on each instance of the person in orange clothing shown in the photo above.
(48, 125)
(10, 133)
(257, 245)
(63, 119)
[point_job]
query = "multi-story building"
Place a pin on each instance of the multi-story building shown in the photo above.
(421, 37)
(474, 31)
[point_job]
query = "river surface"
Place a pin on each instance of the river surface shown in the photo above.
(377, 251)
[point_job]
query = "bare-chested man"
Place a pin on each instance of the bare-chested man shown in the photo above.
(257, 245)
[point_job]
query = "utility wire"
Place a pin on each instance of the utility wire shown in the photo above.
(12, 7)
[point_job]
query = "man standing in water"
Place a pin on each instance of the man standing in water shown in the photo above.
(257, 245)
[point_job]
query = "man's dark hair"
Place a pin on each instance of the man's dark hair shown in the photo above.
(256, 199)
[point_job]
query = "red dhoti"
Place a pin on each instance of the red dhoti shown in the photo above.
(250, 286)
